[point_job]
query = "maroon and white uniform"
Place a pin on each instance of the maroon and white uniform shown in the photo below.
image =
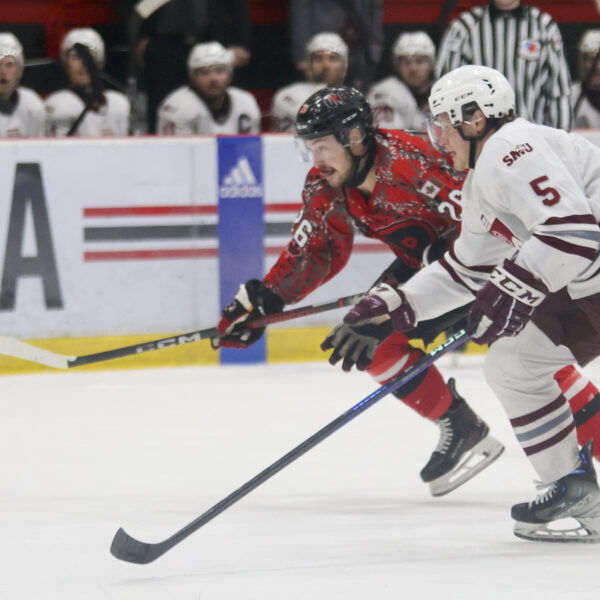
(394, 106)
(287, 102)
(184, 112)
(27, 117)
(535, 194)
(110, 119)
(416, 201)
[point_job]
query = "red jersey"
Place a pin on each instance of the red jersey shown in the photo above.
(415, 201)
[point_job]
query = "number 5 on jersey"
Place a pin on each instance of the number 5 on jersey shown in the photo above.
(550, 194)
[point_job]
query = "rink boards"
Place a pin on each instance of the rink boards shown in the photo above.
(104, 243)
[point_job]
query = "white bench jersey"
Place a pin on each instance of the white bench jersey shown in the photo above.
(394, 106)
(27, 119)
(64, 107)
(287, 102)
(184, 112)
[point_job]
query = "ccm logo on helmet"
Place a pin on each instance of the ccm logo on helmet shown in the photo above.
(513, 155)
(463, 96)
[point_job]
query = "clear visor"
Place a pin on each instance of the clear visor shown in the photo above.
(435, 130)
(318, 150)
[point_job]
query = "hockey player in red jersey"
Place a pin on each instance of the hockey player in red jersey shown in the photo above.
(396, 188)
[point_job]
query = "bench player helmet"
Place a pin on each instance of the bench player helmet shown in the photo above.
(589, 45)
(327, 42)
(209, 54)
(86, 37)
(414, 43)
(11, 46)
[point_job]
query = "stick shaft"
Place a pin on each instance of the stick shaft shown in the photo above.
(126, 548)
(19, 349)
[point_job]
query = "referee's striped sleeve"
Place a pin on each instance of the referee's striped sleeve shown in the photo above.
(558, 92)
(452, 49)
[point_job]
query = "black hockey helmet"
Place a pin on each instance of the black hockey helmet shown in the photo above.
(334, 111)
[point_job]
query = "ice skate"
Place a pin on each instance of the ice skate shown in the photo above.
(568, 511)
(465, 447)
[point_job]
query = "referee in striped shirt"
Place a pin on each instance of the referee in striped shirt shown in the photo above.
(523, 43)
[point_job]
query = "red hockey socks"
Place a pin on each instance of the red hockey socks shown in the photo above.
(584, 399)
(427, 393)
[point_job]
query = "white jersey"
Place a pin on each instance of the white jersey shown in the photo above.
(27, 118)
(394, 106)
(585, 115)
(184, 112)
(287, 102)
(64, 107)
(535, 191)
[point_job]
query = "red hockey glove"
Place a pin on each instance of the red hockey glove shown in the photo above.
(383, 302)
(356, 345)
(505, 303)
(254, 299)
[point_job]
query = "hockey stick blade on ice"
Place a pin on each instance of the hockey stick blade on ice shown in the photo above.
(127, 548)
(18, 349)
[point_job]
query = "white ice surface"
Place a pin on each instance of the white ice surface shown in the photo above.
(84, 453)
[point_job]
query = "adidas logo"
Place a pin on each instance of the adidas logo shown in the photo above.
(241, 182)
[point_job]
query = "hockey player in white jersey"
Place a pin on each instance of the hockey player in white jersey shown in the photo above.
(209, 104)
(400, 101)
(85, 108)
(21, 109)
(586, 92)
(326, 66)
(529, 255)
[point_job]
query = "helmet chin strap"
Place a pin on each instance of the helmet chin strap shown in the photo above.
(473, 141)
(358, 174)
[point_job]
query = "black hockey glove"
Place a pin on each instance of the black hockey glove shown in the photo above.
(253, 300)
(357, 344)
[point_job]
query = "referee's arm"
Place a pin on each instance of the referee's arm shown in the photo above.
(454, 50)
(558, 111)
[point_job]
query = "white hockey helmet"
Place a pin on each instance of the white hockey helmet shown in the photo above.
(11, 46)
(414, 43)
(209, 54)
(589, 42)
(327, 42)
(86, 37)
(485, 86)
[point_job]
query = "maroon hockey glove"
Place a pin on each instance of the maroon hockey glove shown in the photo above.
(383, 302)
(254, 299)
(356, 345)
(505, 303)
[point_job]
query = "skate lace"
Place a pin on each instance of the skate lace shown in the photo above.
(447, 433)
(546, 492)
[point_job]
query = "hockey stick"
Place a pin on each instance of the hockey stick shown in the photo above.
(127, 548)
(17, 348)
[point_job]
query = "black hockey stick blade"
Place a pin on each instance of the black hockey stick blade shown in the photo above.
(14, 347)
(124, 547)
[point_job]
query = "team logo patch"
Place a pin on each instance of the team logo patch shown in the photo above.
(499, 230)
(332, 101)
(519, 150)
(431, 188)
(530, 50)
